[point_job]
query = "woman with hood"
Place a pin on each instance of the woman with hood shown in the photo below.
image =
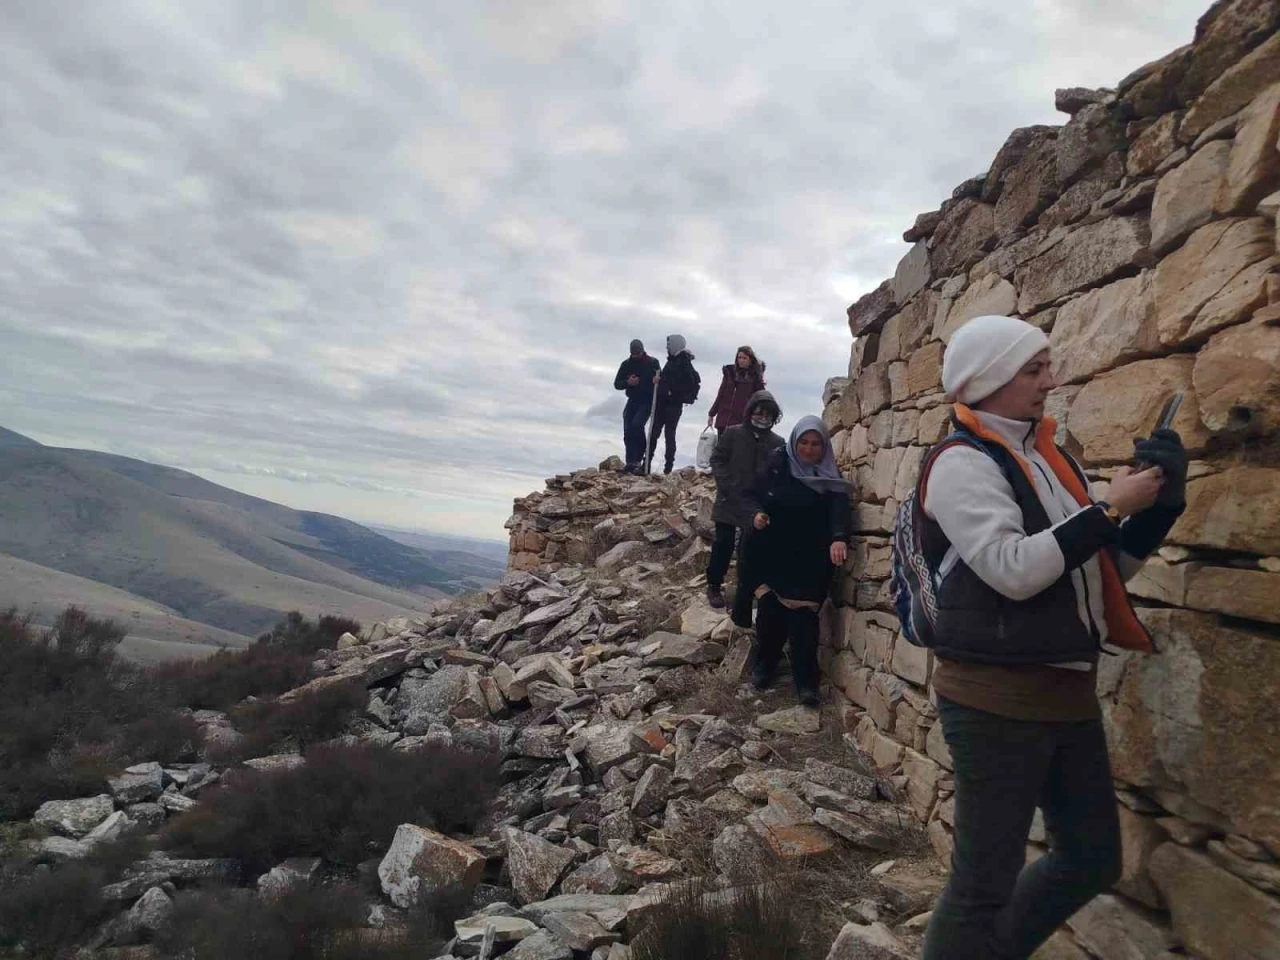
(1030, 588)
(742, 380)
(739, 457)
(800, 535)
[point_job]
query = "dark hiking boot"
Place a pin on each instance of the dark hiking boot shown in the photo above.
(715, 597)
(666, 468)
(761, 677)
(808, 697)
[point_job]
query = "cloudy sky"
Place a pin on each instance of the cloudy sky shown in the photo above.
(383, 258)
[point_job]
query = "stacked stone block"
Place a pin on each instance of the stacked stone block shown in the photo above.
(1141, 236)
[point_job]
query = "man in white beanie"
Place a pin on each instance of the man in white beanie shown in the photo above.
(1029, 589)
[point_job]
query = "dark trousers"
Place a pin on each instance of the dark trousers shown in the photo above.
(665, 421)
(635, 418)
(775, 624)
(994, 907)
(722, 549)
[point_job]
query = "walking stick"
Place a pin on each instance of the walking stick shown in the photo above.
(649, 439)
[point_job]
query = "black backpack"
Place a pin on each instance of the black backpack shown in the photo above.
(683, 380)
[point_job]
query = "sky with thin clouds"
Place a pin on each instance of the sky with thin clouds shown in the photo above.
(382, 259)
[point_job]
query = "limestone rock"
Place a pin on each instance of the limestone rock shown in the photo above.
(607, 746)
(1262, 873)
(138, 784)
(473, 930)
(1110, 927)
(1217, 278)
(536, 864)
(739, 855)
(913, 273)
(1254, 167)
(620, 555)
(966, 232)
(597, 875)
(700, 621)
(1185, 197)
(1217, 915)
(794, 720)
(1091, 135)
(74, 818)
(858, 831)
(291, 874)
(1237, 380)
(991, 295)
(1222, 510)
(110, 829)
(429, 699)
(846, 781)
(759, 784)
(1105, 328)
(871, 311)
(676, 650)
(422, 861)
(652, 791)
(1173, 720)
(1140, 836)
(640, 865)
(578, 931)
(1153, 146)
(540, 946)
(1116, 407)
(1084, 257)
(1237, 86)
(872, 942)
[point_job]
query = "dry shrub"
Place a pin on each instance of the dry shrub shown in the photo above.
(752, 922)
(324, 923)
(273, 726)
(344, 804)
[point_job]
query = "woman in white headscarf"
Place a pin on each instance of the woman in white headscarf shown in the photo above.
(800, 535)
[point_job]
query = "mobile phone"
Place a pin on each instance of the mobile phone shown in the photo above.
(1165, 421)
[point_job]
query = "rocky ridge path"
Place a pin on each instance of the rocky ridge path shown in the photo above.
(634, 757)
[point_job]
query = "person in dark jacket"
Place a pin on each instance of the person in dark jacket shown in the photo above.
(740, 456)
(800, 535)
(1029, 591)
(635, 376)
(677, 387)
(741, 380)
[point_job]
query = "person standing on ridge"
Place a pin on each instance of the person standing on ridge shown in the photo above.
(1029, 590)
(740, 456)
(677, 386)
(742, 380)
(800, 535)
(635, 376)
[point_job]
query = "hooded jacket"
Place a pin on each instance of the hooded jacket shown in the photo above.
(740, 456)
(679, 379)
(737, 387)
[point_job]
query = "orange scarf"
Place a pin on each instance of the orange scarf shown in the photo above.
(1123, 627)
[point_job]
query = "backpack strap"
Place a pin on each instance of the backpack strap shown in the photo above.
(957, 438)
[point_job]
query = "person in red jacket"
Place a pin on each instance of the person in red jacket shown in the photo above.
(742, 378)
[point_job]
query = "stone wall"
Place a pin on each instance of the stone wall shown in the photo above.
(1141, 235)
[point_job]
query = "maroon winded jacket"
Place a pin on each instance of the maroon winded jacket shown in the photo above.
(730, 405)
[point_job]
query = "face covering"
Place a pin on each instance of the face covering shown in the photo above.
(761, 420)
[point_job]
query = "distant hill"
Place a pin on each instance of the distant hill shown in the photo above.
(195, 553)
(477, 563)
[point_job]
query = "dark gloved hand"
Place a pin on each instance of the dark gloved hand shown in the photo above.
(1164, 449)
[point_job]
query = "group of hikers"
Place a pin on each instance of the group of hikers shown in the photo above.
(1018, 587)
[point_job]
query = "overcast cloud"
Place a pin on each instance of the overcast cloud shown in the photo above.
(382, 259)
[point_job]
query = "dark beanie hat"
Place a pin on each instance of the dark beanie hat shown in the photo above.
(637, 346)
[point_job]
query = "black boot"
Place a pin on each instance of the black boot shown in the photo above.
(808, 697)
(762, 675)
(715, 596)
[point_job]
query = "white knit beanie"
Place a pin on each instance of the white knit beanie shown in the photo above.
(986, 353)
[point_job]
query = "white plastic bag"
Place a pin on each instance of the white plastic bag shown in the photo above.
(706, 447)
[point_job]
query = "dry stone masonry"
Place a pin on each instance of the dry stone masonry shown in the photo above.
(1141, 235)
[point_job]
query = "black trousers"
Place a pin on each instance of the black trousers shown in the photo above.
(665, 421)
(635, 417)
(722, 550)
(775, 624)
(994, 907)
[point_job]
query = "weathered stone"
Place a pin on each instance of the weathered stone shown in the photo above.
(1237, 86)
(1111, 928)
(922, 782)
(737, 661)
(1174, 720)
(294, 873)
(138, 784)
(552, 613)
(848, 782)
(1153, 145)
(1085, 195)
(1217, 278)
(428, 699)
(152, 872)
(700, 621)
(1139, 838)
(1216, 915)
(578, 931)
(740, 856)
(620, 555)
(1105, 328)
(1114, 408)
(870, 312)
(1092, 135)
(1185, 197)
(924, 370)
(597, 875)
(885, 471)
(474, 930)
(676, 649)
(1237, 380)
(1059, 947)
(74, 818)
(110, 829)
(1085, 257)
(856, 830)
(617, 826)
(872, 942)
(607, 746)
(1152, 89)
(966, 232)
(924, 226)
(146, 917)
(540, 946)
(1261, 873)
(1222, 511)
(543, 742)
(793, 720)
(911, 662)
(1254, 167)
(1029, 186)
(422, 861)
(548, 695)
(652, 791)
(872, 388)
(536, 864)
(640, 865)
(759, 784)
(913, 273)
(909, 887)
(799, 842)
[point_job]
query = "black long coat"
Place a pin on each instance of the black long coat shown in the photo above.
(793, 553)
(741, 455)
